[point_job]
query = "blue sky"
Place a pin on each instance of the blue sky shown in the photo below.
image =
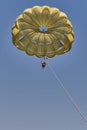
(30, 98)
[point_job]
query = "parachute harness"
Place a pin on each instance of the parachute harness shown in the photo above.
(44, 61)
(67, 94)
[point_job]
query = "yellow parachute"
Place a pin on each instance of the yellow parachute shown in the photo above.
(43, 31)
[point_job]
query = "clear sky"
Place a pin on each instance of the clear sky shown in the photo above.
(30, 98)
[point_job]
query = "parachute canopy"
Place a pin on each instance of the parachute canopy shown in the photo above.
(43, 31)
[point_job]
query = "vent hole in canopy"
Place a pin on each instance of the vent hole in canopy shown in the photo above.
(43, 28)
